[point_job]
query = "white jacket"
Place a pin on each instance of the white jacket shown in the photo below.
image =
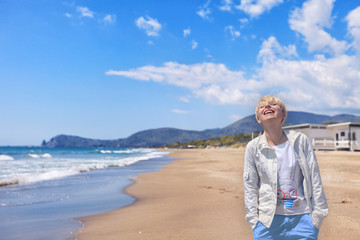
(260, 179)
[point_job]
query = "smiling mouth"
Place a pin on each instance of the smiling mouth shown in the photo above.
(268, 112)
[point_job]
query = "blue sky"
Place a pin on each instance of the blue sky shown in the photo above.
(107, 69)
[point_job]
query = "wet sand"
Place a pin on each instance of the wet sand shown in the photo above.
(202, 198)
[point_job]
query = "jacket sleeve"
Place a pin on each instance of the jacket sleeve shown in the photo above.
(251, 187)
(318, 200)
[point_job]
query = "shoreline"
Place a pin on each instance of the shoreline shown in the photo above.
(168, 207)
(200, 196)
(49, 209)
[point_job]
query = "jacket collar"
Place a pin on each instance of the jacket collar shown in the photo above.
(263, 143)
(292, 136)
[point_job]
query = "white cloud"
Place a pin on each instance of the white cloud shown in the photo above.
(178, 111)
(79, 12)
(210, 57)
(243, 21)
(257, 7)
(185, 99)
(217, 94)
(194, 44)
(271, 50)
(151, 26)
(312, 84)
(187, 32)
(110, 18)
(204, 11)
(233, 33)
(193, 76)
(316, 84)
(226, 5)
(85, 12)
(210, 81)
(321, 84)
(353, 19)
(310, 21)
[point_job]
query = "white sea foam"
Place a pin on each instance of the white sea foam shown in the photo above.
(129, 151)
(53, 174)
(45, 155)
(105, 151)
(124, 151)
(6, 158)
(9, 181)
(55, 164)
(32, 178)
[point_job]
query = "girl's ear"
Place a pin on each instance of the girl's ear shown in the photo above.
(258, 120)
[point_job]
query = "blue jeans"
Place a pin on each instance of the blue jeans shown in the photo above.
(296, 227)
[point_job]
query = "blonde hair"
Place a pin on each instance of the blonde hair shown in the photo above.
(269, 99)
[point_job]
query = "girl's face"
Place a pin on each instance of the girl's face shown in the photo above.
(270, 111)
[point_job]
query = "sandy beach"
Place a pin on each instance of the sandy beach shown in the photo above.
(201, 198)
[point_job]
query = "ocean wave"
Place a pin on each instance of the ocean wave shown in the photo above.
(8, 182)
(125, 151)
(36, 177)
(40, 169)
(105, 151)
(45, 155)
(150, 155)
(128, 151)
(6, 158)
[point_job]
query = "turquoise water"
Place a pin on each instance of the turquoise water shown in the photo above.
(44, 190)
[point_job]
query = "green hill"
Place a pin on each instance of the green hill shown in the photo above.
(236, 140)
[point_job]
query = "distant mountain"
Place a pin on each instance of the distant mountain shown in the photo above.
(162, 136)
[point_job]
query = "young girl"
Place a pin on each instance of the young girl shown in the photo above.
(284, 197)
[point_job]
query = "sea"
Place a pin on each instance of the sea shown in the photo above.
(43, 191)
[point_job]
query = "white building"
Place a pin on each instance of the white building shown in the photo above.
(339, 136)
